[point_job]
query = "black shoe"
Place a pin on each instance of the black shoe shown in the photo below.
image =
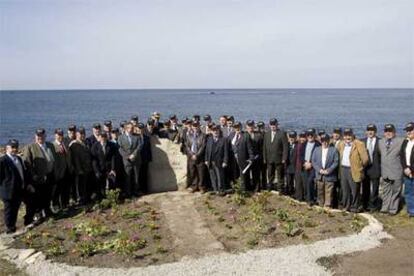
(11, 230)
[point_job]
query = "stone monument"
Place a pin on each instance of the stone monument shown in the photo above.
(168, 169)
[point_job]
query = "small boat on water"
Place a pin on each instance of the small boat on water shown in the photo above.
(212, 93)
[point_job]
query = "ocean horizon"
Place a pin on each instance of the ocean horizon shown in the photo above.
(23, 111)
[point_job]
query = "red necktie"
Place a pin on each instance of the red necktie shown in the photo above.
(62, 149)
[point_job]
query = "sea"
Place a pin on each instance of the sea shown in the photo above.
(22, 112)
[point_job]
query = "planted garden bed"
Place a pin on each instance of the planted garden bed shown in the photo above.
(243, 221)
(108, 235)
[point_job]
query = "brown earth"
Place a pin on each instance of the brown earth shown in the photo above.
(394, 257)
(269, 220)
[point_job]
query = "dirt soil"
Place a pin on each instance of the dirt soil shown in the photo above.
(269, 220)
(394, 257)
(125, 235)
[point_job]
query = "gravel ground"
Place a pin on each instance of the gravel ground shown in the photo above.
(291, 260)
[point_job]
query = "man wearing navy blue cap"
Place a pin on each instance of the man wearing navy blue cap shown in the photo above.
(290, 164)
(370, 184)
(40, 160)
(407, 163)
(14, 179)
(391, 170)
(63, 172)
(146, 158)
(96, 128)
(257, 146)
(275, 154)
(82, 165)
(309, 172)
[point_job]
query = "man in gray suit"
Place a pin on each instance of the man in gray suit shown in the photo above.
(275, 153)
(391, 170)
(130, 147)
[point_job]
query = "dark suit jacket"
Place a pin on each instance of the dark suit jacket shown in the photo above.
(126, 149)
(63, 162)
(373, 170)
(90, 141)
(103, 162)
(243, 148)
(276, 151)
(257, 144)
(217, 152)
(146, 153)
(11, 183)
(403, 158)
(201, 146)
(81, 158)
(290, 162)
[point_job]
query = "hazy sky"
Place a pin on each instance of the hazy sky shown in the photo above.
(206, 44)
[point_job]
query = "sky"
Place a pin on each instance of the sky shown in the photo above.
(60, 44)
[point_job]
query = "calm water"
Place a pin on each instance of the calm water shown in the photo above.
(21, 112)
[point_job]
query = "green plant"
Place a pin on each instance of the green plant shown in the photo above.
(357, 223)
(131, 214)
(92, 228)
(111, 201)
(239, 196)
(282, 214)
(29, 238)
(156, 237)
(161, 250)
(290, 229)
(252, 241)
(87, 247)
(55, 249)
(152, 226)
(124, 245)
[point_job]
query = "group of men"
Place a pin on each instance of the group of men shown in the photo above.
(332, 171)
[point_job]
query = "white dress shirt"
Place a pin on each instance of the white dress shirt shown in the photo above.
(346, 162)
(408, 151)
(324, 156)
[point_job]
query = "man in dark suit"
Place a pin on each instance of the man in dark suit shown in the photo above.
(407, 163)
(71, 134)
(290, 165)
(195, 149)
(82, 167)
(96, 128)
(40, 160)
(103, 164)
(370, 184)
(308, 169)
(298, 162)
(207, 121)
(216, 159)
(146, 158)
(63, 172)
(157, 124)
(14, 179)
(256, 139)
(242, 151)
(130, 147)
(275, 153)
